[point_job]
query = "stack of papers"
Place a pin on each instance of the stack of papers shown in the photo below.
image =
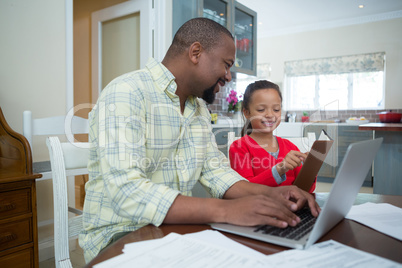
(212, 249)
(177, 251)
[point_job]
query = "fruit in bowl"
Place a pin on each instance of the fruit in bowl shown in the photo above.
(357, 120)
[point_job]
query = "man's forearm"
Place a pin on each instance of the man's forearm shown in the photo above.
(245, 188)
(193, 210)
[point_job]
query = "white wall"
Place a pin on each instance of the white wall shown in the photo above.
(33, 73)
(364, 38)
(32, 66)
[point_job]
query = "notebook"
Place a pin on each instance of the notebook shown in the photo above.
(312, 164)
(349, 179)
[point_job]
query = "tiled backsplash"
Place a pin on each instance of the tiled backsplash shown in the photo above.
(342, 115)
(220, 107)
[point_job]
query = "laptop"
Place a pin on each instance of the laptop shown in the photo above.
(348, 181)
(312, 164)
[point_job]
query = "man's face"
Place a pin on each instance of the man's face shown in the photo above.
(216, 68)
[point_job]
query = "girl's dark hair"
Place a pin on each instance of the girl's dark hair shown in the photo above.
(251, 88)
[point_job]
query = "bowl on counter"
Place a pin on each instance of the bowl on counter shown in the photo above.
(390, 117)
(357, 120)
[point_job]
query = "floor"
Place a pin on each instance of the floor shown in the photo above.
(77, 258)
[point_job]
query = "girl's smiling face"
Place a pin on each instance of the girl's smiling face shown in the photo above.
(265, 110)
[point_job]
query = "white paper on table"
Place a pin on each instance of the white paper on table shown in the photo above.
(382, 217)
(216, 238)
(177, 251)
(140, 245)
(208, 236)
(328, 254)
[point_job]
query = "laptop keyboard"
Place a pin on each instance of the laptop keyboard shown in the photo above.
(306, 224)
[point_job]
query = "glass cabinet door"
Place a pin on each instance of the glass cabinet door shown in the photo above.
(216, 10)
(237, 18)
(183, 10)
(245, 29)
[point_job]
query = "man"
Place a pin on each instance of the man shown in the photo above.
(152, 141)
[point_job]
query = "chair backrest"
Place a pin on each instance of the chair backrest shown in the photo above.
(287, 130)
(294, 133)
(64, 157)
(231, 138)
(56, 125)
(303, 143)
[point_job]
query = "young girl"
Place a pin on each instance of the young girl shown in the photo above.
(259, 156)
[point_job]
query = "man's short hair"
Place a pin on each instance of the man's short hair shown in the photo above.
(203, 30)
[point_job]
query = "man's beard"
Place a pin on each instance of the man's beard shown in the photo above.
(209, 95)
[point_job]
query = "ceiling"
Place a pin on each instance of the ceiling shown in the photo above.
(278, 17)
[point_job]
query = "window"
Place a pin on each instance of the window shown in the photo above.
(354, 82)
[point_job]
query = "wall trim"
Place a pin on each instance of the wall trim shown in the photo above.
(69, 56)
(159, 19)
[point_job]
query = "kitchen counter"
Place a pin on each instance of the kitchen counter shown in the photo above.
(226, 122)
(382, 126)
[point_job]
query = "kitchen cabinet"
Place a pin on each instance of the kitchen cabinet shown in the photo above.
(348, 134)
(237, 18)
(343, 135)
(387, 163)
(221, 137)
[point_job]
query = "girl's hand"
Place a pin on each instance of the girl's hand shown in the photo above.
(291, 161)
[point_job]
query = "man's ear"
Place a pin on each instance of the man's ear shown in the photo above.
(194, 52)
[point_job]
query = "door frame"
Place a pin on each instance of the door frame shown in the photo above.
(69, 56)
(113, 12)
(161, 21)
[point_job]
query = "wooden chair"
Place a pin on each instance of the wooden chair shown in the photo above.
(64, 157)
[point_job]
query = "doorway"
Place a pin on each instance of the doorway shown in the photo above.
(113, 19)
(121, 41)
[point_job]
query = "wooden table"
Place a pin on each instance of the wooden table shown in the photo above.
(382, 126)
(346, 232)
